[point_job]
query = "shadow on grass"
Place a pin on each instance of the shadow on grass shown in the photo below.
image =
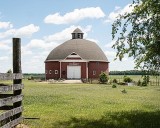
(132, 119)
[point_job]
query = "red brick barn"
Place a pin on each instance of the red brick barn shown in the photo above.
(77, 58)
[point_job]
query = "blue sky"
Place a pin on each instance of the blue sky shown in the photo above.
(43, 25)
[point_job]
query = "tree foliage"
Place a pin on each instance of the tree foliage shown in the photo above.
(138, 34)
(127, 79)
(9, 71)
(146, 80)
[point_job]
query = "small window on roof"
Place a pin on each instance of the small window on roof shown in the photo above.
(73, 53)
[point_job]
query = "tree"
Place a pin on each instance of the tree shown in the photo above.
(138, 34)
(9, 71)
(146, 80)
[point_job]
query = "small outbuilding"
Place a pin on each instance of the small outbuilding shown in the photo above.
(76, 58)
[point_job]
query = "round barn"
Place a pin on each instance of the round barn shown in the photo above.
(76, 58)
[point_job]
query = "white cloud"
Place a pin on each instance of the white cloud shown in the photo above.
(38, 45)
(125, 64)
(110, 54)
(4, 58)
(25, 51)
(5, 25)
(110, 44)
(4, 46)
(35, 43)
(5, 63)
(117, 7)
(27, 31)
(7, 41)
(37, 66)
(118, 11)
(60, 36)
(7, 33)
(75, 16)
(66, 34)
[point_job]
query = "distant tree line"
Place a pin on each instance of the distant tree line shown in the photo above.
(34, 76)
(133, 72)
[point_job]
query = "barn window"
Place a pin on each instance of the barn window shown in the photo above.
(50, 71)
(56, 71)
(73, 53)
(94, 72)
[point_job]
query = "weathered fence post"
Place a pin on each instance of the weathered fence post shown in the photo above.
(17, 69)
(11, 104)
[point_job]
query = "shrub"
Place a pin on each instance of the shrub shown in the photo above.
(145, 80)
(103, 78)
(114, 86)
(115, 81)
(124, 91)
(31, 78)
(122, 83)
(139, 83)
(127, 79)
(43, 78)
(144, 83)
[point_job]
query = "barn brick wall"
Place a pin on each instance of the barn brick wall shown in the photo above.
(98, 67)
(73, 59)
(55, 65)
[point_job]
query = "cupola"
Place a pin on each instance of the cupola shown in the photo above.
(77, 34)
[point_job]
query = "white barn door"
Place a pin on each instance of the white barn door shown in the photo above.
(73, 72)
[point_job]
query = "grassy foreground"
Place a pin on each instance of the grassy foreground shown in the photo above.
(90, 106)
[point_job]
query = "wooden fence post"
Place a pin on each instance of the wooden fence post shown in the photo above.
(17, 69)
(12, 102)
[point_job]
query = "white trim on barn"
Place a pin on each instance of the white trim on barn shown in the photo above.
(73, 61)
(60, 69)
(87, 70)
(76, 60)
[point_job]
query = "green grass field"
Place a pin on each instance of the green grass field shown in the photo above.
(90, 106)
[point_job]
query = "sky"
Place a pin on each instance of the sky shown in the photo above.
(42, 25)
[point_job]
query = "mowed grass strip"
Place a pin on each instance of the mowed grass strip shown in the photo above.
(90, 106)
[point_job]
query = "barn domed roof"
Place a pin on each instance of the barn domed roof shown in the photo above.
(86, 49)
